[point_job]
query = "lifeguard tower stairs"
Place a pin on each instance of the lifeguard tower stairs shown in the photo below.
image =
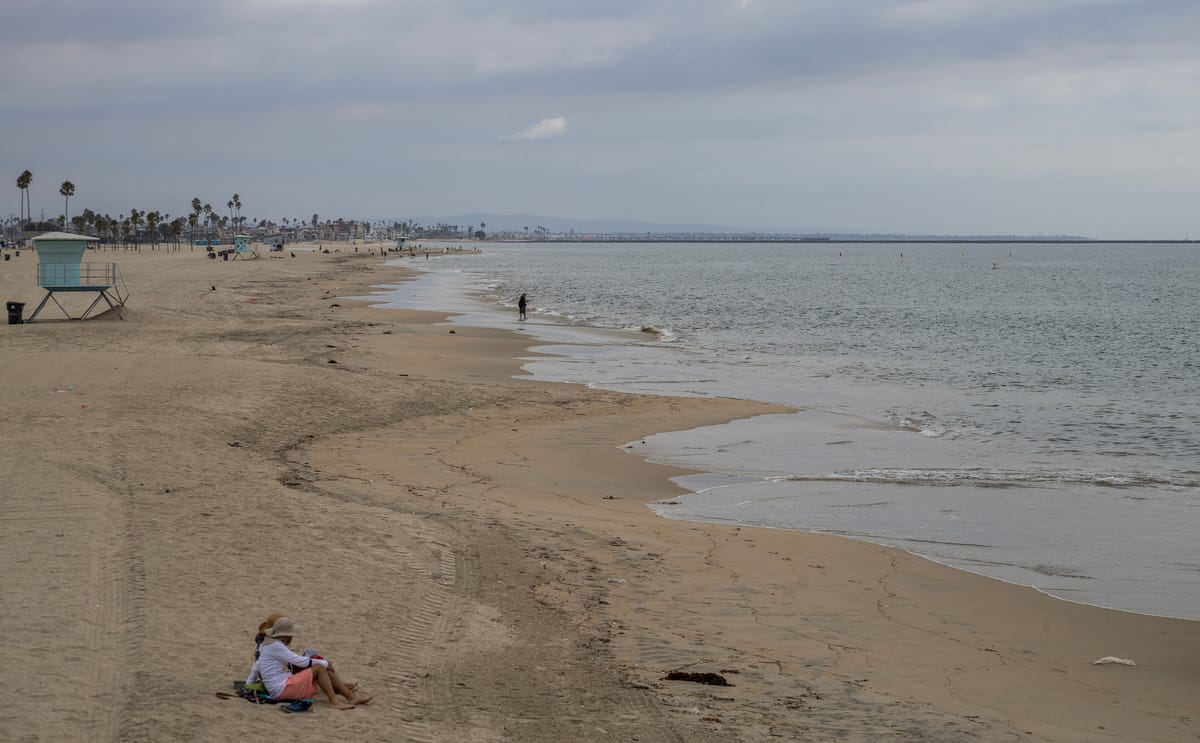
(61, 269)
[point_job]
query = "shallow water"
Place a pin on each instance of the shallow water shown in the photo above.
(1025, 411)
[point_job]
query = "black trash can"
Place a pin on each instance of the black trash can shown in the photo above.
(14, 312)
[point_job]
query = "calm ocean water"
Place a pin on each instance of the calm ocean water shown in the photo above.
(1025, 411)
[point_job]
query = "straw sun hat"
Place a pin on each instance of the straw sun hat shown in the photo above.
(283, 627)
(270, 621)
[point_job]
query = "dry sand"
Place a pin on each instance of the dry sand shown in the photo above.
(473, 548)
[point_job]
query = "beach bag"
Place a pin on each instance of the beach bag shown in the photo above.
(255, 693)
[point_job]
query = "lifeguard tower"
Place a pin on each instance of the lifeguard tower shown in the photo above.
(242, 247)
(399, 244)
(61, 268)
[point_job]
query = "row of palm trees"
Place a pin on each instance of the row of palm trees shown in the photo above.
(128, 229)
(25, 180)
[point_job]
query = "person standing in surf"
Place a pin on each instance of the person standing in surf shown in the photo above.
(521, 308)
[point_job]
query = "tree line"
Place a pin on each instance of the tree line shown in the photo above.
(202, 221)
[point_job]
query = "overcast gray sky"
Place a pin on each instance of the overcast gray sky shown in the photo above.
(916, 116)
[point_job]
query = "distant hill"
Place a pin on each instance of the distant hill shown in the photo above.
(518, 223)
(558, 225)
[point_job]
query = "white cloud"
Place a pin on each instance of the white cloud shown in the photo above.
(544, 129)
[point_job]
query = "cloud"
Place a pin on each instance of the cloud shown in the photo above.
(544, 129)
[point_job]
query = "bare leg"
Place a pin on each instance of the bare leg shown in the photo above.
(347, 691)
(324, 681)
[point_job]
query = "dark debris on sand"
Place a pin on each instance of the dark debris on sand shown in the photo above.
(714, 679)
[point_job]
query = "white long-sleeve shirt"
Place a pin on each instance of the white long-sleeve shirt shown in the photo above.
(272, 666)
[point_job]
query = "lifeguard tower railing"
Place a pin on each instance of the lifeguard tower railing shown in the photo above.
(104, 279)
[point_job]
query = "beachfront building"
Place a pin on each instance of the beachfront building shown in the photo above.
(345, 231)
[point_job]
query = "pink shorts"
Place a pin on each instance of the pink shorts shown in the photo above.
(300, 685)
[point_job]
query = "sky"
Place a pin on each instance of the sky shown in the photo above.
(960, 117)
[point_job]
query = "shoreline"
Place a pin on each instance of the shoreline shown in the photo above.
(479, 311)
(483, 559)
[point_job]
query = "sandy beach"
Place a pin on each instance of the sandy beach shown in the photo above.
(472, 547)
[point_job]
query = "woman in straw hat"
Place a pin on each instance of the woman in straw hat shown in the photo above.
(274, 664)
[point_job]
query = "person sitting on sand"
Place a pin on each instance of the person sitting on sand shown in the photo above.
(274, 664)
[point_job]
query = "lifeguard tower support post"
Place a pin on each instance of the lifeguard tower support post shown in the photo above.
(61, 268)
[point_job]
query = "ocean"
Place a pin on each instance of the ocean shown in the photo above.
(1025, 411)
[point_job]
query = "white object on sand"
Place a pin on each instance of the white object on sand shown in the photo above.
(1109, 659)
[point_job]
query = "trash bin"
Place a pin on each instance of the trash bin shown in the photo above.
(14, 312)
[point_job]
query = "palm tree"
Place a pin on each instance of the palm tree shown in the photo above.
(135, 220)
(101, 225)
(89, 221)
(23, 181)
(237, 204)
(152, 219)
(67, 189)
(176, 230)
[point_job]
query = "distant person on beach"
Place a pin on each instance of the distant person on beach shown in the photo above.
(291, 677)
(521, 308)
